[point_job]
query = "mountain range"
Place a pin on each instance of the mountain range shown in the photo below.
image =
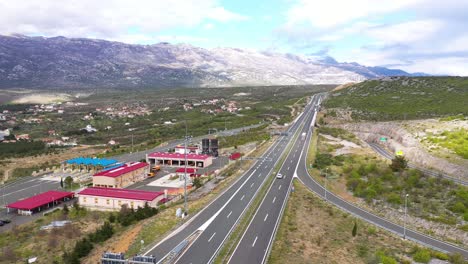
(59, 62)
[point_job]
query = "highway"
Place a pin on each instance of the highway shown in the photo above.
(257, 239)
(218, 219)
(418, 237)
(384, 153)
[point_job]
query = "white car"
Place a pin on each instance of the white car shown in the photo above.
(279, 176)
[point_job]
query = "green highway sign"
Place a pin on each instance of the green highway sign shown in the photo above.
(383, 139)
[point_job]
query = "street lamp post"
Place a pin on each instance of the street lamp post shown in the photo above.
(406, 210)
(326, 181)
(185, 172)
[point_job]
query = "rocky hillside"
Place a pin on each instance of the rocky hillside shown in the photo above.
(38, 62)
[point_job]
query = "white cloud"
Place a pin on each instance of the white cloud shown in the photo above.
(105, 18)
(406, 32)
(330, 13)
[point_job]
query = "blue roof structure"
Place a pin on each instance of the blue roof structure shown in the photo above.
(92, 161)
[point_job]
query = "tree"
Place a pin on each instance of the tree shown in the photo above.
(354, 229)
(68, 181)
(61, 182)
(399, 163)
(197, 183)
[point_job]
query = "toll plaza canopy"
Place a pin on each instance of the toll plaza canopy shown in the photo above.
(42, 199)
(91, 161)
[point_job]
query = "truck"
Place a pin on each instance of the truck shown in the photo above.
(303, 136)
(153, 171)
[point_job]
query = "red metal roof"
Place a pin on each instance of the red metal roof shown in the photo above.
(39, 200)
(189, 170)
(165, 155)
(121, 193)
(126, 168)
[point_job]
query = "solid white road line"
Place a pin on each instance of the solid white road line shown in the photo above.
(279, 188)
(274, 199)
(266, 216)
(242, 198)
(254, 241)
(212, 236)
(229, 214)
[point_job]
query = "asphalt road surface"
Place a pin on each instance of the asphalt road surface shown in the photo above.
(29, 186)
(258, 237)
(420, 238)
(218, 219)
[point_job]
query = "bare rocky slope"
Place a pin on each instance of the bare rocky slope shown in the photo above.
(59, 62)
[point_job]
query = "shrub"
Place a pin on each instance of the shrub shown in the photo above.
(422, 256)
(399, 163)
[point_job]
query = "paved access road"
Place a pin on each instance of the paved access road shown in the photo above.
(257, 239)
(218, 219)
(314, 186)
(384, 153)
(29, 186)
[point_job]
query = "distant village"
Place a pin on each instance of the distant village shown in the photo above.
(35, 114)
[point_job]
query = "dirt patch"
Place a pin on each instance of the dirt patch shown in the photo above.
(42, 99)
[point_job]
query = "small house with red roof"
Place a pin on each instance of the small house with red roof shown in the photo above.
(121, 176)
(112, 199)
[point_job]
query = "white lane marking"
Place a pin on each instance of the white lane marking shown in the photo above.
(274, 199)
(252, 184)
(279, 188)
(254, 241)
(212, 236)
(207, 223)
(266, 166)
(290, 161)
(259, 175)
(266, 216)
(289, 167)
(229, 214)
(242, 198)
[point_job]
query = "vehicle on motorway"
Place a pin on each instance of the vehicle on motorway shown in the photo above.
(1, 223)
(5, 221)
(279, 176)
(303, 136)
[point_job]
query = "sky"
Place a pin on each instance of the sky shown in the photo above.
(428, 36)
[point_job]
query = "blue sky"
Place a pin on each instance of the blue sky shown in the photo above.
(414, 35)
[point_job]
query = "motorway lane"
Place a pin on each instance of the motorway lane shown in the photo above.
(377, 148)
(314, 186)
(257, 238)
(167, 245)
(226, 216)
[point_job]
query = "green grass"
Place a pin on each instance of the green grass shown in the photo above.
(456, 141)
(404, 98)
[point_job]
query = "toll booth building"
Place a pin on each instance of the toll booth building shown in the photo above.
(178, 160)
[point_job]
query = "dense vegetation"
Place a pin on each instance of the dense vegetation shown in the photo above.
(404, 98)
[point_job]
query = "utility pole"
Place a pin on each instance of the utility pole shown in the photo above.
(406, 210)
(132, 142)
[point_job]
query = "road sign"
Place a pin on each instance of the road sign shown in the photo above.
(399, 153)
(383, 139)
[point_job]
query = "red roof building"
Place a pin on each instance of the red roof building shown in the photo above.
(40, 202)
(114, 198)
(178, 160)
(121, 176)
